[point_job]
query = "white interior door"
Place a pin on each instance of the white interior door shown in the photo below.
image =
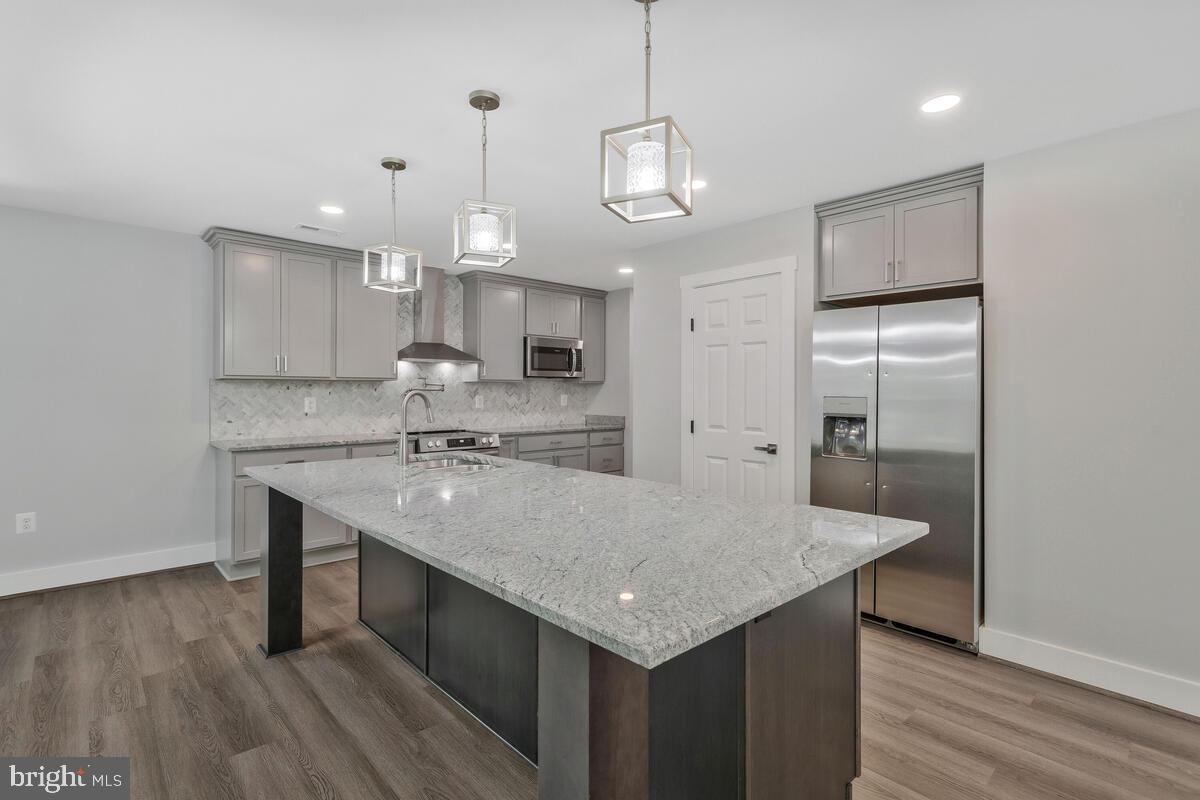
(739, 381)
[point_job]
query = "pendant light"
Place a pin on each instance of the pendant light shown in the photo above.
(389, 266)
(646, 167)
(485, 234)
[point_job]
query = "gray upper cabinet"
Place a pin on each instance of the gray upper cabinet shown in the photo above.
(366, 327)
(306, 317)
(937, 238)
(857, 251)
(920, 235)
(494, 327)
(593, 340)
(250, 287)
(552, 313)
(297, 310)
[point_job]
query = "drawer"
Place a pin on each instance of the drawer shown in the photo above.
(609, 458)
(373, 450)
(263, 458)
(606, 437)
(551, 441)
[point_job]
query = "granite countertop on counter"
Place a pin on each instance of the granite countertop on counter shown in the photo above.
(646, 570)
(333, 440)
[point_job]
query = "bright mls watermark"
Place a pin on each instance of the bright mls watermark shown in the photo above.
(84, 778)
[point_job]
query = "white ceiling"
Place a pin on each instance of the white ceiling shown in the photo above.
(251, 113)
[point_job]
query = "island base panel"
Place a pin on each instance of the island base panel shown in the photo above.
(768, 710)
(392, 598)
(280, 579)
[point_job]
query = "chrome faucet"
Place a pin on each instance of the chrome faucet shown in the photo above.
(402, 447)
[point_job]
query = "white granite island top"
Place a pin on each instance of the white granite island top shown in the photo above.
(646, 570)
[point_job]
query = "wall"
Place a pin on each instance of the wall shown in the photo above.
(655, 330)
(1091, 359)
(262, 408)
(105, 336)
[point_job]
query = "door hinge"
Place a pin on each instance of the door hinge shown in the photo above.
(692, 426)
(692, 324)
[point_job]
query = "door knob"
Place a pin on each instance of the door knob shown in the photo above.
(770, 449)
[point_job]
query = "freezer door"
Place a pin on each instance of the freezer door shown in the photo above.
(928, 447)
(845, 346)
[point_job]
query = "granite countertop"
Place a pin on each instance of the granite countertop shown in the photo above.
(333, 440)
(646, 570)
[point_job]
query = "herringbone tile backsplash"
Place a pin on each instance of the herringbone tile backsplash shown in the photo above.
(266, 408)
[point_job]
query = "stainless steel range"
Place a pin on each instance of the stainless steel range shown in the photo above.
(444, 441)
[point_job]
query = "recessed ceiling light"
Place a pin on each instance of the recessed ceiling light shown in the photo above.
(333, 210)
(699, 183)
(626, 596)
(943, 102)
(625, 270)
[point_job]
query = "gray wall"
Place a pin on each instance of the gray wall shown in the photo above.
(1092, 348)
(655, 330)
(105, 337)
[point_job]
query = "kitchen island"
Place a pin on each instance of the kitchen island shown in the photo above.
(633, 639)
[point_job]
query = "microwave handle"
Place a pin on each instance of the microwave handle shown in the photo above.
(571, 363)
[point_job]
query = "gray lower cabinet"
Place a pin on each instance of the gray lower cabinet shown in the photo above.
(494, 328)
(366, 327)
(610, 458)
(571, 459)
(912, 237)
(593, 340)
(306, 317)
(249, 518)
(598, 451)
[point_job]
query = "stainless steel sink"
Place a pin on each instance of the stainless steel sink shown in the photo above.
(452, 465)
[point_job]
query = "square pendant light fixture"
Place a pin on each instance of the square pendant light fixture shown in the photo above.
(646, 167)
(485, 233)
(389, 266)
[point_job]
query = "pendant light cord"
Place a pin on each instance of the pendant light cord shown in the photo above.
(393, 206)
(646, 3)
(484, 146)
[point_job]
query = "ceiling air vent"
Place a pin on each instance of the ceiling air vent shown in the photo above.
(321, 229)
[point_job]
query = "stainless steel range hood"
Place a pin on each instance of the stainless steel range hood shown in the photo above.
(429, 324)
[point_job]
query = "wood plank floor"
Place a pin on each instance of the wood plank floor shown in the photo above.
(163, 667)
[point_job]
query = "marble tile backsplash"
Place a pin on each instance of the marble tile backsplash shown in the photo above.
(266, 408)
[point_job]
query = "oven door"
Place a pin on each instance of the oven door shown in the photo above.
(551, 357)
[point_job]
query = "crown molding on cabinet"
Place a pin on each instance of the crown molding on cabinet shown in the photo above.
(906, 191)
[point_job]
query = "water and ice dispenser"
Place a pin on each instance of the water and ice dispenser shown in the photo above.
(845, 424)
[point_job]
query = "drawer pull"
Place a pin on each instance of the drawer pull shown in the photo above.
(297, 461)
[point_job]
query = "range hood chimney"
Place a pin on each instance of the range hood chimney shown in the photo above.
(429, 324)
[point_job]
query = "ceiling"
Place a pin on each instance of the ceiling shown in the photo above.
(252, 113)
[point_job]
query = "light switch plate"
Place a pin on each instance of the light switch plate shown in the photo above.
(478, 401)
(310, 405)
(562, 399)
(27, 522)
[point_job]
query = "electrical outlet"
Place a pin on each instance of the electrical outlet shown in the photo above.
(27, 522)
(310, 405)
(562, 399)
(478, 401)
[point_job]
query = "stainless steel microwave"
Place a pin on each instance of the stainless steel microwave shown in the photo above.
(553, 357)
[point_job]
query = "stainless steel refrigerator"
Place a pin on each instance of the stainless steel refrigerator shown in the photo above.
(896, 431)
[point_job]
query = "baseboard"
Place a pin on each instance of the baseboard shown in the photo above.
(312, 558)
(1168, 691)
(36, 580)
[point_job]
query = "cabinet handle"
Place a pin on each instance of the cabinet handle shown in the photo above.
(285, 363)
(297, 461)
(887, 272)
(896, 272)
(483, 370)
(276, 363)
(556, 441)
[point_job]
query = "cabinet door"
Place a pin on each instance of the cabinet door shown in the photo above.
(501, 329)
(306, 316)
(366, 327)
(593, 340)
(572, 460)
(539, 312)
(856, 251)
(249, 518)
(251, 288)
(322, 530)
(937, 238)
(565, 314)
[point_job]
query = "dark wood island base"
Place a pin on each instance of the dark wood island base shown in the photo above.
(766, 711)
